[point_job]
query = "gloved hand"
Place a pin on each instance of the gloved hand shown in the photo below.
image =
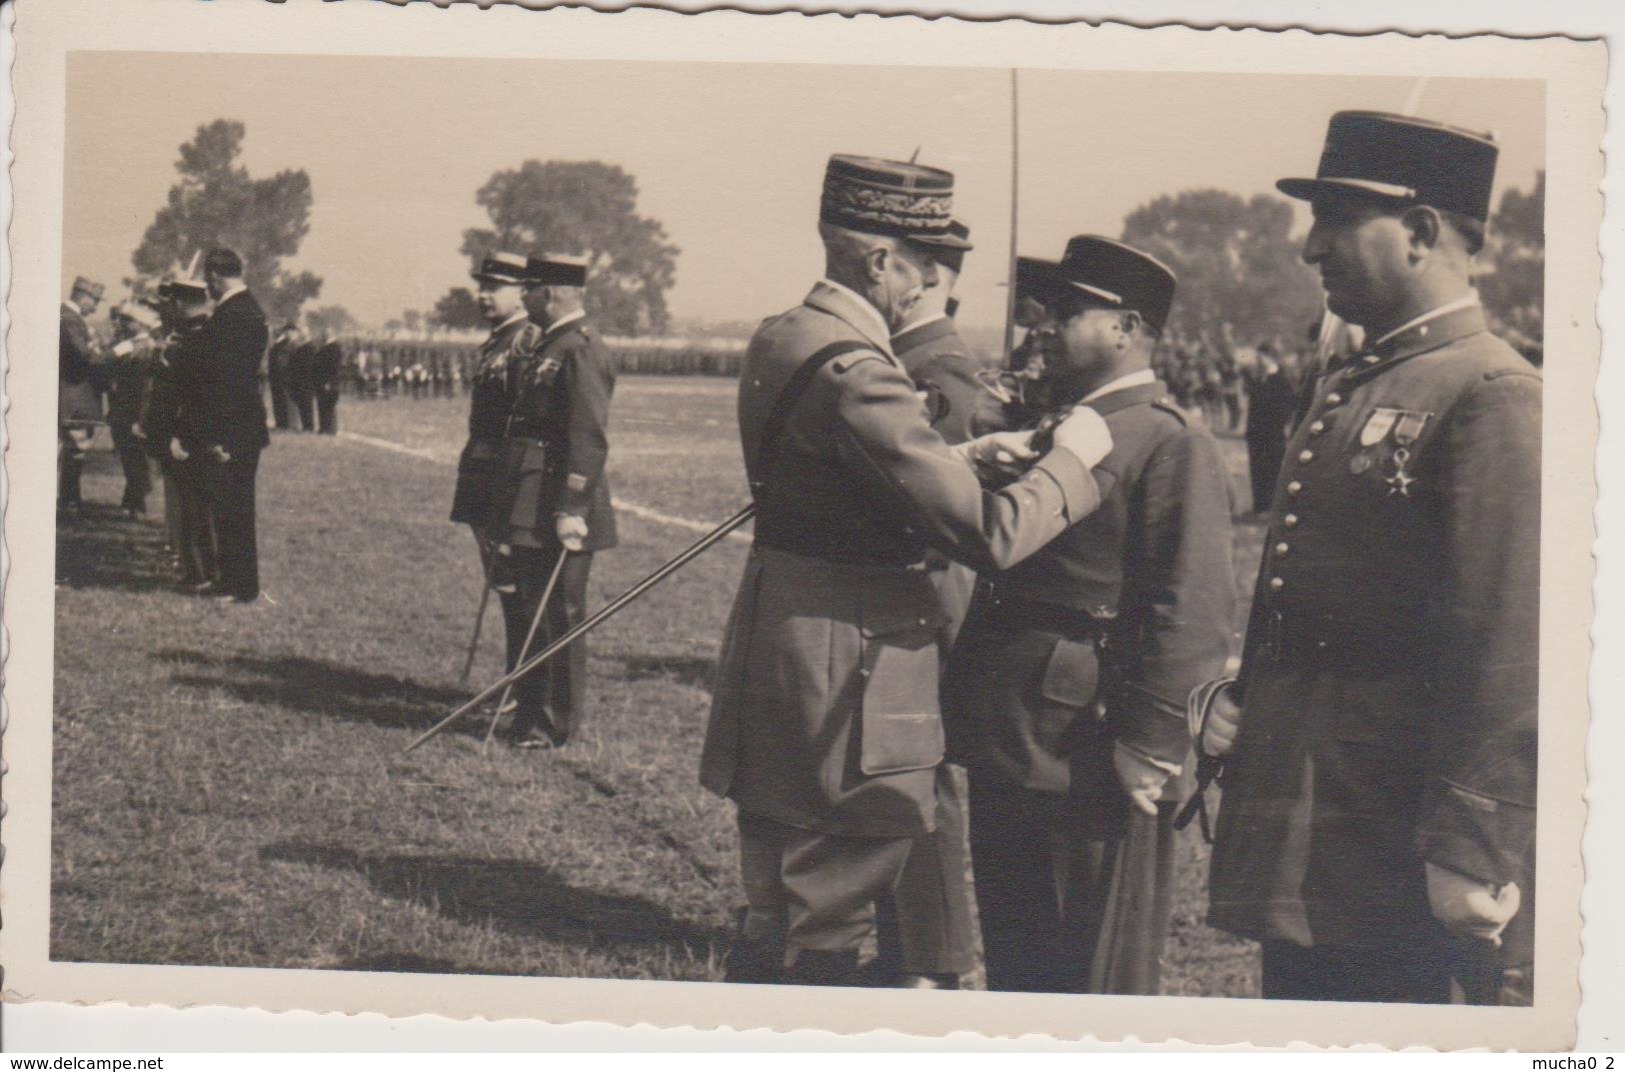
(219, 453)
(1141, 776)
(1000, 451)
(1471, 907)
(1085, 434)
(572, 530)
(502, 571)
(137, 431)
(177, 451)
(1223, 723)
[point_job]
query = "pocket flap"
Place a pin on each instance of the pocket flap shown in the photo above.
(1072, 675)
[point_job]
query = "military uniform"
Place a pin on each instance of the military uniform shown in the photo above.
(79, 405)
(1389, 683)
(1090, 645)
(825, 727)
(559, 392)
(126, 397)
(480, 466)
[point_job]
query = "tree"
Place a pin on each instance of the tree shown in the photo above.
(412, 320)
(586, 208)
(458, 311)
(331, 321)
(1241, 277)
(217, 203)
(1514, 284)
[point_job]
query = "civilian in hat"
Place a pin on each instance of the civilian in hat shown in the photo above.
(825, 728)
(1066, 689)
(171, 426)
(223, 411)
(925, 928)
(556, 499)
(1377, 828)
(81, 370)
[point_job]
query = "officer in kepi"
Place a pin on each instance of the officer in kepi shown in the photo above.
(1066, 690)
(554, 497)
(1377, 826)
(82, 368)
(825, 728)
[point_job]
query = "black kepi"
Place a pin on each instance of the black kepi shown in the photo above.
(1111, 273)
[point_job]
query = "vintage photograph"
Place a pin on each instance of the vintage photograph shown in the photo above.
(949, 527)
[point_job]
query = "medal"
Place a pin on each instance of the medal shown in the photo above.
(1359, 464)
(1377, 426)
(1406, 430)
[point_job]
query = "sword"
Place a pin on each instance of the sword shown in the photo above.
(696, 549)
(479, 617)
(524, 651)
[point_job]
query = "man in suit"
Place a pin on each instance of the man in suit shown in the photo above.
(326, 366)
(300, 372)
(1066, 689)
(177, 434)
(1377, 827)
(825, 728)
(81, 368)
(282, 348)
(224, 412)
(555, 497)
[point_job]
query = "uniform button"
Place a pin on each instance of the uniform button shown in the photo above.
(1290, 521)
(1276, 584)
(1317, 428)
(922, 621)
(1306, 456)
(1282, 548)
(1369, 359)
(1294, 487)
(1334, 399)
(863, 672)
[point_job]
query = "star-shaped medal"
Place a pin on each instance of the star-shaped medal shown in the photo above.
(1400, 483)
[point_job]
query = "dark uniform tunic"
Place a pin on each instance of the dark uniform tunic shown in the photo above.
(825, 726)
(126, 397)
(558, 384)
(79, 405)
(480, 467)
(1390, 673)
(1095, 640)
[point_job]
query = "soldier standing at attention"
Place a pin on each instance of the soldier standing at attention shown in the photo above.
(1378, 817)
(326, 366)
(80, 368)
(825, 729)
(131, 381)
(555, 498)
(276, 373)
(1066, 690)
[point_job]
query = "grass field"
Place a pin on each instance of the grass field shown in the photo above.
(227, 783)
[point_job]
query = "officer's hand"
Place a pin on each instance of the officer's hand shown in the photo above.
(177, 451)
(503, 578)
(1469, 906)
(219, 453)
(1223, 722)
(1141, 776)
(999, 450)
(1085, 434)
(572, 530)
(137, 431)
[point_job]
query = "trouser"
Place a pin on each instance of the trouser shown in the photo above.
(812, 895)
(1264, 456)
(132, 456)
(327, 410)
(174, 526)
(303, 401)
(198, 547)
(230, 501)
(1074, 896)
(281, 402)
(552, 698)
(71, 444)
(927, 924)
(1417, 971)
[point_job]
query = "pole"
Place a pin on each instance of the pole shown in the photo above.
(524, 651)
(479, 617)
(696, 549)
(1015, 198)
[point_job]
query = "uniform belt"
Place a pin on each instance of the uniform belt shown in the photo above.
(1294, 637)
(1007, 610)
(518, 427)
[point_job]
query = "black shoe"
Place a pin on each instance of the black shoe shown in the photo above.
(824, 967)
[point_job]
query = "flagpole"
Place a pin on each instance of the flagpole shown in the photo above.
(1015, 198)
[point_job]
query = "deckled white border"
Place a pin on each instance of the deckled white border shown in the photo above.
(1165, 1009)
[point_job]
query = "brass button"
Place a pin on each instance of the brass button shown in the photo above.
(1294, 487)
(1317, 428)
(1290, 521)
(1276, 584)
(1334, 399)
(1282, 548)
(1306, 456)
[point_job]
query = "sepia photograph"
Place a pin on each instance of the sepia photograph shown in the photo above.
(1082, 532)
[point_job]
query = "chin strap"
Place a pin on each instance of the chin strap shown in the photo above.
(1198, 709)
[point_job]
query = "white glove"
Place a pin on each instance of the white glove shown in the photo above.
(137, 431)
(1142, 777)
(1001, 450)
(1471, 907)
(1223, 722)
(219, 453)
(572, 530)
(177, 451)
(1085, 434)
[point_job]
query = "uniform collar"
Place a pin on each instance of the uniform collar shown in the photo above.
(1444, 325)
(564, 324)
(517, 318)
(72, 310)
(232, 291)
(840, 301)
(1138, 378)
(1142, 392)
(1463, 302)
(922, 333)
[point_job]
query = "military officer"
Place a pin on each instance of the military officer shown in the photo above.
(80, 371)
(1379, 803)
(555, 499)
(169, 430)
(925, 928)
(825, 728)
(130, 382)
(1066, 689)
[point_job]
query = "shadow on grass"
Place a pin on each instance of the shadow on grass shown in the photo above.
(519, 896)
(101, 547)
(690, 670)
(300, 683)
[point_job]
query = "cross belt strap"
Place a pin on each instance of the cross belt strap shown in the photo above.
(773, 428)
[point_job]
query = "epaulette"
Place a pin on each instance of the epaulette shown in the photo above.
(1170, 407)
(842, 364)
(1497, 374)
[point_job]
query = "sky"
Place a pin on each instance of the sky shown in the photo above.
(729, 157)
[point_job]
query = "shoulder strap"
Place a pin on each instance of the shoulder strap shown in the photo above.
(773, 428)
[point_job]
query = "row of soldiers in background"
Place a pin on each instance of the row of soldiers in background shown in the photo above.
(304, 372)
(1379, 745)
(182, 379)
